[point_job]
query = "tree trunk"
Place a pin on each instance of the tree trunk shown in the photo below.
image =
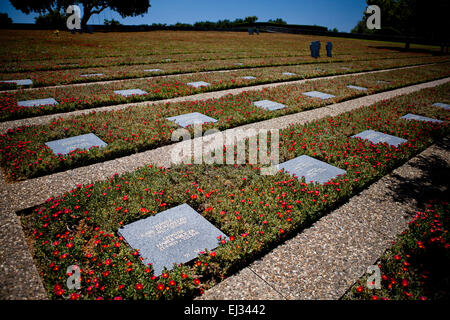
(87, 14)
(407, 44)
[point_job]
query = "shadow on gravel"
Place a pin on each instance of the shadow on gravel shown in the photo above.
(431, 185)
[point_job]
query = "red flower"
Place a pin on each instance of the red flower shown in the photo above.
(160, 287)
(360, 289)
(197, 282)
(405, 282)
(139, 286)
(74, 296)
(58, 290)
(172, 283)
(194, 196)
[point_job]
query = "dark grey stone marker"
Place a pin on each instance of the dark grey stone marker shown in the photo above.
(176, 235)
(269, 105)
(329, 48)
(411, 116)
(21, 82)
(85, 141)
(318, 94)
(442, 105)
(315, 49)
(312, 169)
(357, 88)
(198, 84)
(130, 92)
(379, 137)
(188, 119)
(37, 103)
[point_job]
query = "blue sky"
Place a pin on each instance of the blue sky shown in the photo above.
(340, 14)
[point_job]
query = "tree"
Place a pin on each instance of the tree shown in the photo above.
(278, 21)
(112, 23)
(54, 19)
(5, 20)
(129, 8)
(411, 18)
(251, 20)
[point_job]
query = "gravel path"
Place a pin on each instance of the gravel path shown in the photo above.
(19, 278)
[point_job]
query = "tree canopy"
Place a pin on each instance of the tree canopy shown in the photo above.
(410, 18)
(127, 8)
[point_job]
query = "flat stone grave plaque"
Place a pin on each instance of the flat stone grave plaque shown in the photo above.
(37, 103)
(269, 105)
(411, 116)
(188, 119)
(85, 141)
(442, 105)
(238, 64)
(91, 75)
(21, 82)
(318, 94)
(176, 235)
(357, 88)
(289, 74)
(130, 92)
(312, 169)
(383, 82)
(248, 78)
(152, 70)
(345, 68)
(379, 137)
(198, 84)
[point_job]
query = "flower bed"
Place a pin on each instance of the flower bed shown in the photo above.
(256, 212)
(41, 50)
(416, 266)
(97, 95)
(135, 129)
(72, 73)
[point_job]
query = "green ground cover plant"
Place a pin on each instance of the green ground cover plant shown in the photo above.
(67, 72)
(256, 212)
(97, 95)
(416, 266)
(135, 129)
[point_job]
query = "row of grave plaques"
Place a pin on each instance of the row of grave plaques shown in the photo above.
(179, 234)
